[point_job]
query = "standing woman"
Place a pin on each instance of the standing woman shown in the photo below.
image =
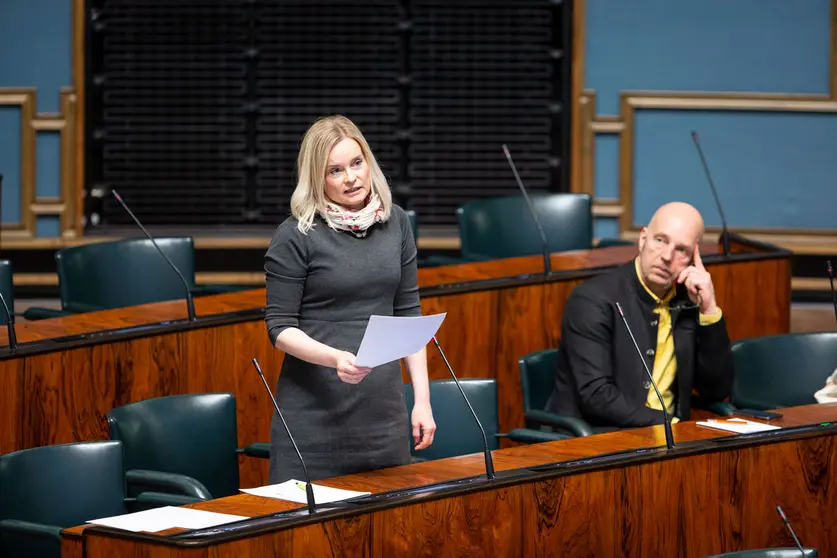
(345, 254)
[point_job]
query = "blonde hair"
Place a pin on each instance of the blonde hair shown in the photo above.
(309, 195)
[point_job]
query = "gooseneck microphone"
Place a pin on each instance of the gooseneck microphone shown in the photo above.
(547, 264)
(489, 462)
(190, 304)
(788, 525)
(831, 282)
(724, 230)
(10, 324)
(666, 418)
(309, 490)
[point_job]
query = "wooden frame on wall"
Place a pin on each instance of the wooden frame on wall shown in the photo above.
(586, 125)
(31, 206)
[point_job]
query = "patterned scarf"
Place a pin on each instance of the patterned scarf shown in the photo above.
(356, 222)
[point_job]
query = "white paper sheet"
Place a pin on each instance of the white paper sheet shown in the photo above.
(294, 491)
(168, 517)
(389, 338)
(737, 425)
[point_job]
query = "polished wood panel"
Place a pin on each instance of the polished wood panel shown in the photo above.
(700, 499)
(65, 395)
(59, 390)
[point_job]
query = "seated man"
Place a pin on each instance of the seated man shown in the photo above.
(669, 301)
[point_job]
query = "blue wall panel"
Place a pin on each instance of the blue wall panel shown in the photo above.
(10, 163)
(606, 178)
(772, 169)
(777, 46)
(35, 42)
(606, 227)
(48, 166)
(47, 226)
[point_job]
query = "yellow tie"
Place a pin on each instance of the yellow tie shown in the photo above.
(665, 365)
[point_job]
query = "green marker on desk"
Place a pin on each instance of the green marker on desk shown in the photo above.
(301, 486)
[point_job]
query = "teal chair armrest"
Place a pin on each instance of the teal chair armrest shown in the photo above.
(531, 436)
(39, 530)
(165, 499)
(80, 308)
(37, 313)
(722, 408)
(210, 289)
(167, 482)
(256, 449)
(575, 425)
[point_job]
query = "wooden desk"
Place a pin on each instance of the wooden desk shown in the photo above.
(69, 372)
(714, 492)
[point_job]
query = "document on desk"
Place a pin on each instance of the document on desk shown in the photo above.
(294, 491)
(737, 425)
(167, 517)
(389, 338)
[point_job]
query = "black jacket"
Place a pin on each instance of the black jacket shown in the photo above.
(599, 376)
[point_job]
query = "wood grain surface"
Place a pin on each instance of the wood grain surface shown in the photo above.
(705, 498)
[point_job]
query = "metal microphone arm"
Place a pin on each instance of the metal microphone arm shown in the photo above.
(547, 262)
(724, 230)
(666, 418)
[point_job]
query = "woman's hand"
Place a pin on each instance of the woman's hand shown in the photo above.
(346, 369)
(424, 428)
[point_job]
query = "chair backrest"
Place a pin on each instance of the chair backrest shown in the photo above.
(537, 377)
(123, 273)
(502, 227)
(782, 370)
(7, 289)
(62, 485)
(456, 431)
(768, 553)
(193, 435)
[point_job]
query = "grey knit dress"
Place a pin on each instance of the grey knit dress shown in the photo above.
(328, 283)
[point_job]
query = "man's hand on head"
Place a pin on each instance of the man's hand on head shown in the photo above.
(698, 282)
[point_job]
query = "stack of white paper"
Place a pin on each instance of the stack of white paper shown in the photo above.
(294, 491)
(738, 425)
(168, 517)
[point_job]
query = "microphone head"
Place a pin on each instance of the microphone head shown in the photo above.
(782, 514)
(258, 368)
(830, 270)
(619, 308)
(695, 137)
(506, 150)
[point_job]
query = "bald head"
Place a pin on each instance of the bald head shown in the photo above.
(679, 215)
(667, 244)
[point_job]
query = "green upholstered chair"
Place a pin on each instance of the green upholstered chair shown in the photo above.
(502, 227)
(46, 489)
(186, 444)
(537, 377)
(456, 431)
(768, 553)
(779, 370)
(105, 275)
(123, 273)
